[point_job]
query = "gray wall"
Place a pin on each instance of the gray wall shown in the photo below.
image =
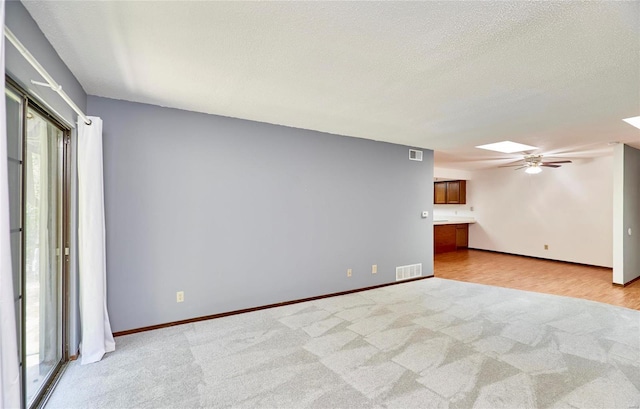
(25, 28)
(626, 214)
(239, 214)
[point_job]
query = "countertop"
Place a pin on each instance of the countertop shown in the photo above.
(452, 220)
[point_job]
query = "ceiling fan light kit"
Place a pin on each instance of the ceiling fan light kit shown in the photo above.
(533, 169)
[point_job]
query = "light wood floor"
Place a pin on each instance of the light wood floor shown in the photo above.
(530, 274)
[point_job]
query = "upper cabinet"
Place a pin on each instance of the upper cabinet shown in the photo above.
(457, 192)
(450, 192)
(440, 192)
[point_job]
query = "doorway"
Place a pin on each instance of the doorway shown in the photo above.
(37, 157)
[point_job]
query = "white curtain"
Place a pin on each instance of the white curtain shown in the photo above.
(97, 338)
(9, 370)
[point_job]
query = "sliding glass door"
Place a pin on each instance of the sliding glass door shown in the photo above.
(36, 187)
(43, 245)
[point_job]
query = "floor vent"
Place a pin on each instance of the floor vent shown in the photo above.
(410, 271)
(415, 155)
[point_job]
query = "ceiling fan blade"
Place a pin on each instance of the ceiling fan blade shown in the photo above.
(521, 167)
(550, 166)
(508, 166)
(556, 161)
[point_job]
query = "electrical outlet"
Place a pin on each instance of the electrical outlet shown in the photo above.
(374, 269)
(546, 247)
(349, 271)
(180, 296)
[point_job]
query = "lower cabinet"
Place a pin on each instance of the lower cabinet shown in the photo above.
(444, 238)
(462, 235)
(450, 237)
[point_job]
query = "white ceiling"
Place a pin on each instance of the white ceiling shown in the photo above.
(440, 75)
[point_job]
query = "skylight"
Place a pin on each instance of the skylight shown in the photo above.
(634, 121)
(507, 147)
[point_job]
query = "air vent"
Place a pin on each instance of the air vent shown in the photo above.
(410, 271)
(415, 155)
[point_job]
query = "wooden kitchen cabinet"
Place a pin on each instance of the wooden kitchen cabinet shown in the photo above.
(450, 192)
(444, 238)
(440, 193)
(462, 236)
(457, 192)
(450, 237)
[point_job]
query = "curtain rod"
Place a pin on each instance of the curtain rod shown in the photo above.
(51, 83)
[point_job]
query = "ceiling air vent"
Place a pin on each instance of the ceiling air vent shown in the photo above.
(415, 155)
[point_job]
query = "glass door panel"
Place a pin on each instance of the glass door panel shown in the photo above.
(42, 252)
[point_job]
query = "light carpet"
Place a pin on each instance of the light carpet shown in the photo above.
(431, 343)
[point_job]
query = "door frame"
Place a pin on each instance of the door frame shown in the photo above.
(31, 102)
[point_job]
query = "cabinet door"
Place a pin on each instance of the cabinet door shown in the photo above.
(453, 192)
(444, 239)
(462, 236)
(440, 192)
(462, 198)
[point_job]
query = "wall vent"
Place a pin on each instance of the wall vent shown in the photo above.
(415, 155)
(410, 271)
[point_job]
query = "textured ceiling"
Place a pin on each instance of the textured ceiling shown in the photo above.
(440, 75)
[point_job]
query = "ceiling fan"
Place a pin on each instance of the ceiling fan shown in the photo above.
(534, 163)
